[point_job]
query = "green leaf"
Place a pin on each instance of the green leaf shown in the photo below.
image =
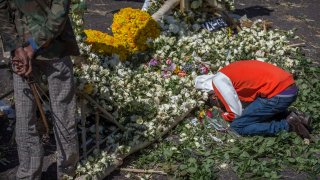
(226, 156)
(192, 169)
(292, 160)
(304, 86)
(270, 142)
(244, 154)
(183, 166)
(167, 153)
(192, 160)
(288, 152)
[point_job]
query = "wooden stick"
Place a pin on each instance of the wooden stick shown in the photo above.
(83, 128)
(39, 105)
(184, 5)
(119, 126)
(6, 94)
(97, 118)
(297, 44)
(151, 171)
(13, 137)
(107, 115)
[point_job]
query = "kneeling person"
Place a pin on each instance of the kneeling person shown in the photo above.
(270, 91)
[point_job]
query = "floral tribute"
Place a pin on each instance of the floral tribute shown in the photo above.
(146, 97)
(131, 28)
(134, 27)
(105, 44)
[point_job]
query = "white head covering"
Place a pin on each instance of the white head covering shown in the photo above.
(204, 82)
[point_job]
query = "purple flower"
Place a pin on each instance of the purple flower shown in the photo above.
(172, 67)
(166, 74)
(153, 62)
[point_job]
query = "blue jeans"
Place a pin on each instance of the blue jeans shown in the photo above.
(264, 116)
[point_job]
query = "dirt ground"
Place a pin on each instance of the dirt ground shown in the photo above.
(302, 15)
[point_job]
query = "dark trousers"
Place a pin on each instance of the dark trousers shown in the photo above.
(264, 116)
(59, 74)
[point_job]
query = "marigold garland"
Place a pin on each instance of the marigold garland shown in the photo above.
(131, 29)
(105, 44)
(134, 27)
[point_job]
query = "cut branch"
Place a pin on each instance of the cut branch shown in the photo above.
(151, 171)
(107, 115)
(297, 45)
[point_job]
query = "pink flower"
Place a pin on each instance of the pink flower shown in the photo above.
(209, 114)
(166, 74)
(168, 61)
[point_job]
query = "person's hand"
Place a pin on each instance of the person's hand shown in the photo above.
(29, 51)
(21, 62)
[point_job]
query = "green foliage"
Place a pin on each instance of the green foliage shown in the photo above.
(309, 89)
(249, 157)
(195, 155)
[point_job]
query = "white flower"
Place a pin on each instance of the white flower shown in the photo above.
(188, 126)
(197, 144)
(223, 166)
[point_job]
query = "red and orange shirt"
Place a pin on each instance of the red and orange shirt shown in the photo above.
(245, 81)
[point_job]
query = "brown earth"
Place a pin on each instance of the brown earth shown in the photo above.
(302, 15)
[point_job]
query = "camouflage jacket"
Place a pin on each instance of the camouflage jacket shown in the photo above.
(42, 23)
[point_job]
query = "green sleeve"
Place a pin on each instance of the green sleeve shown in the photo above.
(8, 31)
(56, 17)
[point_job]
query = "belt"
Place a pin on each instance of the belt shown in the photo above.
(290, 91)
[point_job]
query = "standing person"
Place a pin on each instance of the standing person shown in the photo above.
(39, 35)
(270, 91)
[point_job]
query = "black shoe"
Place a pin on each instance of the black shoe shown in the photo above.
(305, 119)
(296, 125)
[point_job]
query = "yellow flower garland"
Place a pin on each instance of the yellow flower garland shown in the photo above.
(105, 44)
(131, 28)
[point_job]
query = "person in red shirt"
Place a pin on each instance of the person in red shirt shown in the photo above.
(269, 91)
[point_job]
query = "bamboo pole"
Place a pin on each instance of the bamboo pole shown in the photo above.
(118, 162)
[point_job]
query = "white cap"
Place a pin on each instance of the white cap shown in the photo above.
(204, 82)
